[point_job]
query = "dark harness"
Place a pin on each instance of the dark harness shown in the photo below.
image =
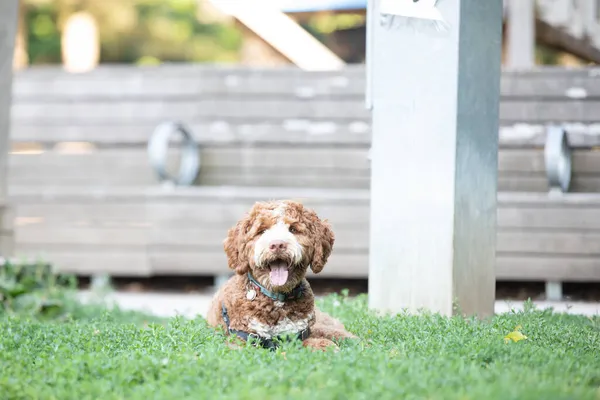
(267, 343)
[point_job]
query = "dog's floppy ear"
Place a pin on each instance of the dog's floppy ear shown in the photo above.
(324, 239)
(235, 247)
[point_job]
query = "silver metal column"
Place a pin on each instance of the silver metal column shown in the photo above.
(8, 29)
(435, 100)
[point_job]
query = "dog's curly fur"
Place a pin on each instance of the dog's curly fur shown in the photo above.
(305, 241)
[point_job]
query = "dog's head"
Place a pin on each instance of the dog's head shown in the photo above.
(278, 241)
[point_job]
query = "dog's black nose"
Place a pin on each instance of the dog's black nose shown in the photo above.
(277, 245)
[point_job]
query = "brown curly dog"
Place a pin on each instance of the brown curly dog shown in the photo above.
(269, 298)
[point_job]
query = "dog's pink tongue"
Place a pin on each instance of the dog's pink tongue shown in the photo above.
(279, 273)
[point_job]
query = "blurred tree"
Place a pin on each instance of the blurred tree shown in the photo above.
(154, 31)
(43, 36)
(546, 55)
(343, 33)
(134, 31)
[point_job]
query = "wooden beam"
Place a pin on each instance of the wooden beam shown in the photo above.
(570, 26)
(436, 91)
(284, 34)
(8, 29)
(256, 53)
(562, 40)
(21, 58)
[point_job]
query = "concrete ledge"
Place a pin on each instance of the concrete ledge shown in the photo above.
(192, 305)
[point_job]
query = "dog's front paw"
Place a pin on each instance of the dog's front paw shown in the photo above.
(235, 342)
(319, 344)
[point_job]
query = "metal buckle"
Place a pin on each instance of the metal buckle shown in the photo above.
(257, 340)
(304, 334)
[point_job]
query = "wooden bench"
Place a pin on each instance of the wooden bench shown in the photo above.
(88, 199)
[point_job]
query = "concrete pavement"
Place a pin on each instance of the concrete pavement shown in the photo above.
(191, 305)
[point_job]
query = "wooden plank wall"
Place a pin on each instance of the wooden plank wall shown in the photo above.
(96, 204)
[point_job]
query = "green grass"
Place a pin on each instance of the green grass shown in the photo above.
(32, 289)
(116, 356)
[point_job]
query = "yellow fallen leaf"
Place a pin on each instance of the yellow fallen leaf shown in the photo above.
(283, 354)
(515, 335)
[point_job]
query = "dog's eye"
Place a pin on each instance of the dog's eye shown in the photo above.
(293, 229)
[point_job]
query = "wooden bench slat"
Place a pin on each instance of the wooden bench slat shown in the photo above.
(168, 214)
(142, 263)
(262, 167)
(539, 183)
(521, 160)
(551, 83)
(551, 201)
(549, 218)
(90, 195)
(164, 215)
(556, 269)
(540, 236)
(115, 263)
(48, 237)
(548, 111)
(519, 170)
(509, 267)
(190, 70)
(175, 87)
(111, 113)
(217, 132)
(209, 238)
(122, 81)
(540, 243)
(318, 179)
(339, 265)
(295, 132)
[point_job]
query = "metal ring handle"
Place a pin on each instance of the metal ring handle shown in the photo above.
(158, 145)
(558, 159)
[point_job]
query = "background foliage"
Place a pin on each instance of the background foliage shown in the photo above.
(134, 31)
(154, 31)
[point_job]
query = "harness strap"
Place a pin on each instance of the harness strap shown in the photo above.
(295, 294)
(267, 343)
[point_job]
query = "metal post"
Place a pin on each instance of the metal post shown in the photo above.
(520, 34)
(435, 98)
(8, 29)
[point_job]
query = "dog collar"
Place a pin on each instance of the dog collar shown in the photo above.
(293, 295)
